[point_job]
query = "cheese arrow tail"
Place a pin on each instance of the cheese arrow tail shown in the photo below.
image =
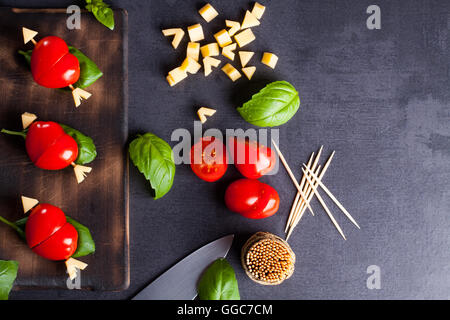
(80, 171)
(79, 94)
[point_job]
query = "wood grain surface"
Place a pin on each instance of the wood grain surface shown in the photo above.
(101, 201)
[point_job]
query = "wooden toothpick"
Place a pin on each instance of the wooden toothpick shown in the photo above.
(310, 194)
(332, 197)
(319, 197)
(291, 175)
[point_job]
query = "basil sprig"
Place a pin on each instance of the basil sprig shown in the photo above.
(154, 159)
(89, 72)
(102, 12)
(273, 106)
(8, 274)
(87, 151)
(218, 282)
(85, 245)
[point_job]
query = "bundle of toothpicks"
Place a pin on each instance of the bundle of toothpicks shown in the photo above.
(311, 180)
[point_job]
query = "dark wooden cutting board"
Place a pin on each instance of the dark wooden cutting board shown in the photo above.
(101, 201)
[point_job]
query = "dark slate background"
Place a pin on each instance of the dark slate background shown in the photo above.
(380, 98)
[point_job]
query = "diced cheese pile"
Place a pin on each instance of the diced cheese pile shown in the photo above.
(228, 40)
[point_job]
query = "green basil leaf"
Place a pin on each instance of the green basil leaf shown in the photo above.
(85, 245)
(8, 274)
(89, 72)
(273, 106)
(102, 12)
(154, 159)
(86, 147)
(218, 282)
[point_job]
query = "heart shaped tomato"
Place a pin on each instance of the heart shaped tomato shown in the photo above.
(252, 199)
(253, 160)
(52, 65)
(49, 147)
(49, 234)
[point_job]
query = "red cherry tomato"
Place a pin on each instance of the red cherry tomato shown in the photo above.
(52, 65)
(49, 234)
(252, 199)
(209, 159)
(49, 147)
(252, 159)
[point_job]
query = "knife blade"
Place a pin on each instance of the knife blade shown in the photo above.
(180, 281)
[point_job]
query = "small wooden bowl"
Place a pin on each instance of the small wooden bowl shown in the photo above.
(259, 237)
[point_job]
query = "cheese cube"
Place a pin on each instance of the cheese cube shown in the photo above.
(208, 63)
(269, 59)
(249, 71)
(231, 72)
(178, 34)
(196, 32)
(27, 119)
(249, 21)
(193, 50)
(177, 75)
(228, 51)
(244, 37)
(223, 38)
(190, 65)
(258, 10)
(170, 80)
(234, 27)
(210, 50)
(245, 57)
(208, 12)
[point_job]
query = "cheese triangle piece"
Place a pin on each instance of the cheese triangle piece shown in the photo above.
(28, 203)
(249, 21)
(203, 112)
(28, 34)
(208, 63)
(178, 34)
(27, 119)
(72, 265)
(249, 71)
(227, 51)
(245, 57)
(234, 27)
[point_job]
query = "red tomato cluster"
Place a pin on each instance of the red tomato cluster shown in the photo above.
(248, 197)
(49, 147)
(49, 234)
(52, 65)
